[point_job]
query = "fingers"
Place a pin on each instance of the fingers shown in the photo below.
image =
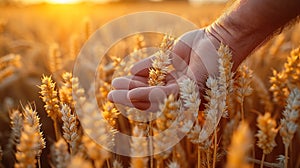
(119, 97)
(143, 98)
(129, 82)
(141, 68)
(152, 94)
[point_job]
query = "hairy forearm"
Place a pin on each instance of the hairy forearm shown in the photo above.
(248, 23)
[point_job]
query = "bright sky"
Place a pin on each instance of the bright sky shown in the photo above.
(63, 1)
(99, 1)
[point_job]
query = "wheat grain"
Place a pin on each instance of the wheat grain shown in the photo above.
(289, 121)
(110, 113)
(28, 148)
(59, 154)
(286, 80)
(139, 148)
(117, 164)
(243, 88)
(65, 92)
(70, 127)
(16, 124)
(49, 96)
(225, 79)
(160, 63)
(32, 119)
(167, 113)
(266, 134)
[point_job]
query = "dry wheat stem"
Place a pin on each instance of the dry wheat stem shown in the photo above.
(215, 148)
(199, 156)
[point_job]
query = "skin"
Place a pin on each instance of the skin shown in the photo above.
(244, 28)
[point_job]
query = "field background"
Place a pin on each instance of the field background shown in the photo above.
(30, 30)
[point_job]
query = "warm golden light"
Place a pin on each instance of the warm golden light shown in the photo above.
(63, 1)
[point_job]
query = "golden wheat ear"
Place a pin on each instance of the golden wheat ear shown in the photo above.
(60, 155)
(266, 134)
(239, 147)
(49, 95)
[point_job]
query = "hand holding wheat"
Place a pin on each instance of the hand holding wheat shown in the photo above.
(193, 56)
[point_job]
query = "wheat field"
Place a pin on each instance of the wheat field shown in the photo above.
(39, 121)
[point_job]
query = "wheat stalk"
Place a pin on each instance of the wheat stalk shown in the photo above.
(32, 119)
(173, 164)
(160, 63)
(139, 147)
(110, 113)
(238, 149)
(49, 96)
(70, 127)
(65, 92)
(283, 82)
(266, 134)
(28, 148)
(95, 151)
(60, 154)
(16, 124)
(117, 164)
(87, 27)
(95, 126)
(243, 88)
(9, 64)
(289, 121)
(225, 79)
(54, 58)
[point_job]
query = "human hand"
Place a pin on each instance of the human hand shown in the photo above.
(193, 56)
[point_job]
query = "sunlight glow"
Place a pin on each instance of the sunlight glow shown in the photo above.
(63, 1)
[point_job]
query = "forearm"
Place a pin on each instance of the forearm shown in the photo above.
(250, 22)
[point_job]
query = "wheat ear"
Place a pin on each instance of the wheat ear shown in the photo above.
(60, 154)
(239, 147)
(16, 124)
(65, 92)
(266, 134)
(49, 96)
(117, 164)
(289, 121)
(32, 119)
(243, 88)
(69, 127)
(54, 58)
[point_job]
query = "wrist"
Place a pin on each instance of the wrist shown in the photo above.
(240, 43)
